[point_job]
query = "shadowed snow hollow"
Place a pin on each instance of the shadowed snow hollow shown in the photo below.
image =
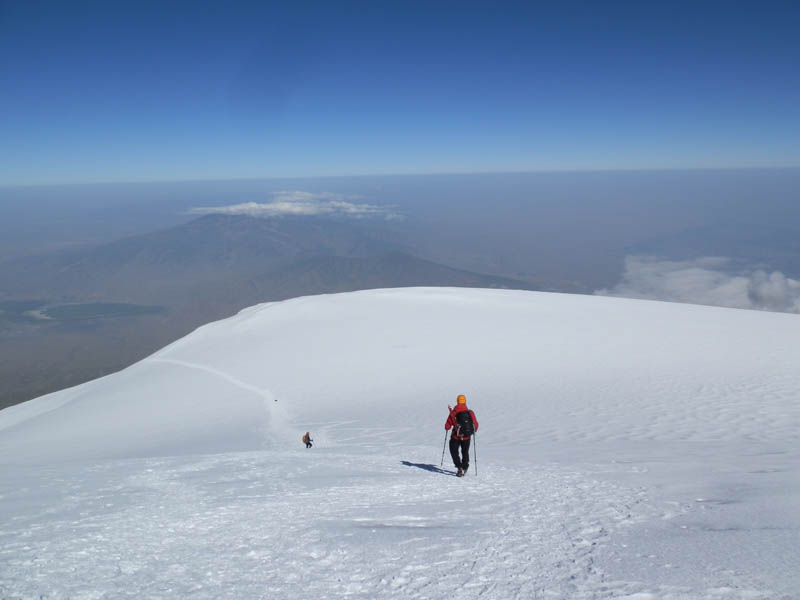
(536, 366)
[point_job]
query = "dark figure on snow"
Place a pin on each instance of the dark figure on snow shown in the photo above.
(307, 440)
(464, 424)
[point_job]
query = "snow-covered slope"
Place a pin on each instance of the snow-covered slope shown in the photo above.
(611, 430)
(538, 366)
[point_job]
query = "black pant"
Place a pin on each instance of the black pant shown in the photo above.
(463, 462)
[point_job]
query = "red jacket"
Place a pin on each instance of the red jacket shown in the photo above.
(451, 421)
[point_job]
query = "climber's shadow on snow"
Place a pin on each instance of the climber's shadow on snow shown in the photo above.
(431, 468)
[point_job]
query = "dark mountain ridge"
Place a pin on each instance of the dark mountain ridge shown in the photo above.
(210, 248)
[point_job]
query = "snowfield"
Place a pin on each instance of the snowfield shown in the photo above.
(627, 449)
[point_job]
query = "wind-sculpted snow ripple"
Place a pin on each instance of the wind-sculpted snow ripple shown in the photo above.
(320, 524)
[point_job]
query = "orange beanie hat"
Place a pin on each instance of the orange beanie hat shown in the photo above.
(462, 399)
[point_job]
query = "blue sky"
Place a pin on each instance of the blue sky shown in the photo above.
(136, 91)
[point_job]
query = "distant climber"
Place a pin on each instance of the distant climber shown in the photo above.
(307, 440)
(464, 424)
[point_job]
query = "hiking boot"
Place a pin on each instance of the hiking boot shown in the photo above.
(460, 473)
(464, 472)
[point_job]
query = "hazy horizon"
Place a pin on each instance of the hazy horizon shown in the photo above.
(313, 177)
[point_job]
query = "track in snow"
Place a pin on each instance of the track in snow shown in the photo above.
(330, 523)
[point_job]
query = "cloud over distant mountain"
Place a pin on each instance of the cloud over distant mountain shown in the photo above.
(300, 203)
(706, 280)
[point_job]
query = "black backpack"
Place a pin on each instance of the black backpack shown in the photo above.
(465, 425)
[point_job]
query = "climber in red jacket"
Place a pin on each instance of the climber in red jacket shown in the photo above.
(464, 424)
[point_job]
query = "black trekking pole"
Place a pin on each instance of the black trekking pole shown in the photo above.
(441, 464)
(476, 454)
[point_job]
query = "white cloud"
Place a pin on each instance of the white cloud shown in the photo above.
(299, 203)
(706, 281)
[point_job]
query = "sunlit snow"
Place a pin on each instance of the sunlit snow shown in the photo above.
(627, 448)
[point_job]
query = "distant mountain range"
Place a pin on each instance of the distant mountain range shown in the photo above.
(256, 258)
(197, 272)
